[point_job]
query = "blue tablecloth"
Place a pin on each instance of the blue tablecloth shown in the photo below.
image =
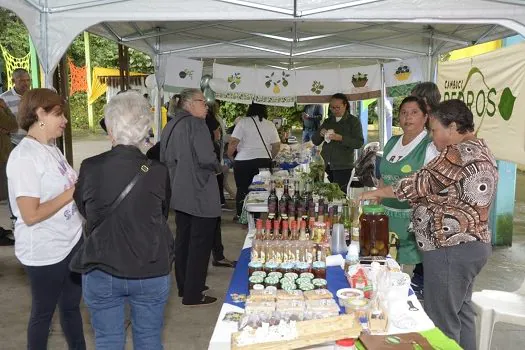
(335, 278)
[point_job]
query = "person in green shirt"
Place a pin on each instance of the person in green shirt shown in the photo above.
(340, 134)
(403, 155)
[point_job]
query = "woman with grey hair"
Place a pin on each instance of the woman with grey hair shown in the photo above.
(186, 148)
(128, 250)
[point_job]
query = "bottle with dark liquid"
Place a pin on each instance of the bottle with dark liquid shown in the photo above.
(272, 201)
(347, 223)
(283, 202)
(303, 204)
(320, 211)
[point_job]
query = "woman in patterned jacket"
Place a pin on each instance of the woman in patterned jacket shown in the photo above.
(451, 198)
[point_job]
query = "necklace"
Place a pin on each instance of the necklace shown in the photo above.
(63, 166)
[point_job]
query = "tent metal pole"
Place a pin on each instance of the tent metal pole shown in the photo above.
(429, 56)
(64, 93)
(382, 114)
(158, 32)
(208, 45)
(80, 6)
(160, 90)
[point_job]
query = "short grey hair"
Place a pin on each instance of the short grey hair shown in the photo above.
(128, 116)
(429, 92)
(186, 96)
(18, 72)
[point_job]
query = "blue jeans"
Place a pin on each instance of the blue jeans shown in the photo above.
(106, 296)
(307, 135)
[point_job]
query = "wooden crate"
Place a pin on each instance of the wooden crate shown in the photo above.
(310, 333)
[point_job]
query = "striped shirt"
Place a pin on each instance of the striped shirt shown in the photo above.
(12, 99)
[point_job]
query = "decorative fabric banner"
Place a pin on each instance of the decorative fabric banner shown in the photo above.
(493, 87)
(324, 82)
(275, 87)
(404, 72)
(12, 63)
(182, 72)
(241, 83)
(358, 80)
(78, 78)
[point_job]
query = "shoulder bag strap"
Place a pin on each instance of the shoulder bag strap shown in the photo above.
(142, 171)
(171, 131)
(264, 143)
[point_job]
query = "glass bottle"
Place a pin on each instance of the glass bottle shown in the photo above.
(283, 202)
(347, 223)
(272, 201)
(257, 244)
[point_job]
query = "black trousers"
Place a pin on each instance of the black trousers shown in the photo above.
(217, 250)
(52, 285)
(340, 177)
(220, 180)
(193, 243)
(244, 171)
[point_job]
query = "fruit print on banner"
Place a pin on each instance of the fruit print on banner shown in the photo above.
(492, 85)
(360, 79)
(321, 82)
(404, 72)
(241, 83)
(183, 72)
(275, 87)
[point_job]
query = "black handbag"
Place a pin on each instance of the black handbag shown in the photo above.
(142, 171)
(272, 164)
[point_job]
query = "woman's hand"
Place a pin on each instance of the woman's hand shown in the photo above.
(373, 196)
(323, 132)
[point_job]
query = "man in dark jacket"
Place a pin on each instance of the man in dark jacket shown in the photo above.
(193, 167)
(342, 135)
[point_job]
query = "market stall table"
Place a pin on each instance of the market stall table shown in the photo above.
(221, 338)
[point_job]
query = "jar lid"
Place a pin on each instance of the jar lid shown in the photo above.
(346, 342)
(255, 264)
(373, 209)
(319, 264)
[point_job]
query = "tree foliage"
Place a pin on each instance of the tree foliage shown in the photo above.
(104, 53)
(229, 111)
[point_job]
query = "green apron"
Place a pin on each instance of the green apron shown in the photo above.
(400, 213)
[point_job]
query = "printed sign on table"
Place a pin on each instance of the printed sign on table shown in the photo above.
(183, 72)
(241, 83)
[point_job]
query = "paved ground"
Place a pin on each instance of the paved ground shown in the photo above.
(191, 328)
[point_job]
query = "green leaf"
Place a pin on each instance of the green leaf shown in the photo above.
(312, 89)
(506, 104)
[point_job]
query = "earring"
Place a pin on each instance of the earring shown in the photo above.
(42, 124)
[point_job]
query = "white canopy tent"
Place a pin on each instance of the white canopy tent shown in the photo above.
(289, 34)
(284, 33)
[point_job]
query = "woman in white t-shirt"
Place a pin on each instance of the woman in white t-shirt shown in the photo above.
(48, 226)
(257, 142)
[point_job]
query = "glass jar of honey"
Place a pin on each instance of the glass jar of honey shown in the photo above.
(373, 235)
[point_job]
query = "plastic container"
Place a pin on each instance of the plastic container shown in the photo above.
(338, 242)
(347, 295)
(399, 286)
(374, 233)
